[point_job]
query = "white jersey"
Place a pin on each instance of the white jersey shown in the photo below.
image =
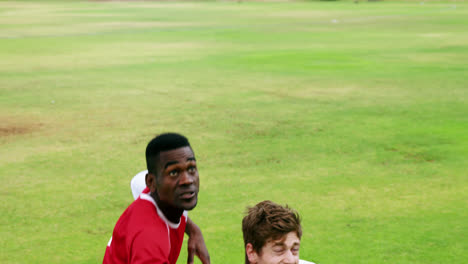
(138, 183)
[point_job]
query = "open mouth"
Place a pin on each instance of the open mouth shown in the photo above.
(187, 195)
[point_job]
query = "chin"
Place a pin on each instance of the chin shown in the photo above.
(189, 205)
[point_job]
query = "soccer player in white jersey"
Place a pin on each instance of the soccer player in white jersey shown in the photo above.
(272, 234)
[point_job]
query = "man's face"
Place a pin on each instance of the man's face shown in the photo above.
(177, 181)
(281, 251)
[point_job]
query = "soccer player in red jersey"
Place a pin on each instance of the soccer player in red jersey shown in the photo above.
(151, 229)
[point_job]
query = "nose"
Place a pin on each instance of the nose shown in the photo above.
(290, 258)
(186, 178)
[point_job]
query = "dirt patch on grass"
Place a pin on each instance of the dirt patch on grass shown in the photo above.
(13, 130)
(13, 127)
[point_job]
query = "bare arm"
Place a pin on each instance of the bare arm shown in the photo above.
(196, 243)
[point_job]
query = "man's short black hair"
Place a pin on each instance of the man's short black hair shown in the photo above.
(163, 142)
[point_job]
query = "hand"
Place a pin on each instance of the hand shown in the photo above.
(196, 243)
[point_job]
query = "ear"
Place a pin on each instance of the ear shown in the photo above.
(151, 181)
(252, 256)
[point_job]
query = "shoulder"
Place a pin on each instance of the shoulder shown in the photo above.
(148, 229)
(139, 217)
(144, 213)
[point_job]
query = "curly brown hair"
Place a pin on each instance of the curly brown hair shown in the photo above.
(268, 221)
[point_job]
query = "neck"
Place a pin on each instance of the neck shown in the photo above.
(171, 213)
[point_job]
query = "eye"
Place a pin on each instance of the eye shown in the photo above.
(173, 173)
(295, 250)
(278, 250)
(192, 169)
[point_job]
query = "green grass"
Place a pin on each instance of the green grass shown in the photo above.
(354, 114)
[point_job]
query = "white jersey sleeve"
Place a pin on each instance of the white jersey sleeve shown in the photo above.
(138, 183)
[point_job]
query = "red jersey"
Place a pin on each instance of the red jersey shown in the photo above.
(144, 235)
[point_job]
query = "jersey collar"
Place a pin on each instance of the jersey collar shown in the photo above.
(173, 225)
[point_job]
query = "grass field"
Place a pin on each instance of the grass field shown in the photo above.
(354, 114)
